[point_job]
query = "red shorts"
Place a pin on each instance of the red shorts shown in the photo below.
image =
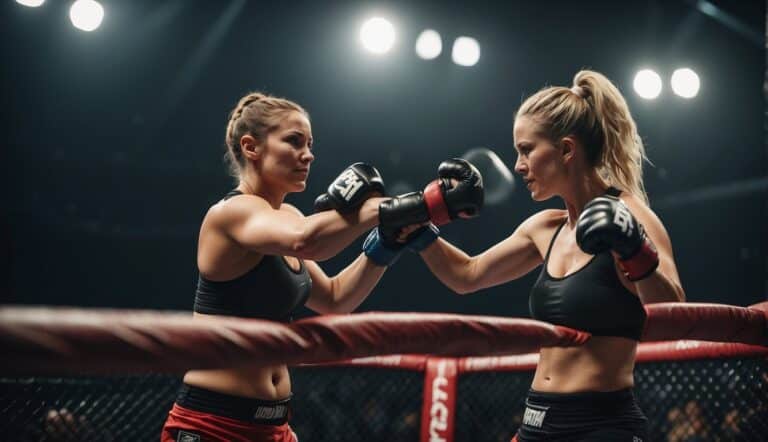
(185, 425)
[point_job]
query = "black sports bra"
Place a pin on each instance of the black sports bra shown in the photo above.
(270, 290)
(592, 298)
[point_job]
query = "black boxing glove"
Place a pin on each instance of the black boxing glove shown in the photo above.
(439, 203)
(403, 210)
(607, 224)
(349, 190)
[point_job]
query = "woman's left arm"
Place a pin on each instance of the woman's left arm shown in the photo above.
(344, 292)
(663, 284)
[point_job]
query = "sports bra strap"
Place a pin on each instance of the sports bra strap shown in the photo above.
(612, 191)
(231, 193)
(557, 232)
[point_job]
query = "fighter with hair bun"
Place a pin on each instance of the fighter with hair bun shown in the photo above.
(256, 259)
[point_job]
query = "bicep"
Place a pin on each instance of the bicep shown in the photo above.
(267, 231)
(322, 288)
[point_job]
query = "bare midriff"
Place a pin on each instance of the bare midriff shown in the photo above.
(253, 381)
(604, 363)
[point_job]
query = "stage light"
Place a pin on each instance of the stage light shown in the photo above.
(429, 45)
(86, 15)
(647, 84)
(30, 3)
(466, 51)
(377, 35)
(685, 83)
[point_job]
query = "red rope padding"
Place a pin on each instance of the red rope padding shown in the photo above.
(705, 322)
(434, 333)
(399, 362)
(34, 340)
(42, 340)
(688, 350)
(682, 350)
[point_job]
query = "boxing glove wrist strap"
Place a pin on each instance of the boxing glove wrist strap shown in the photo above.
(642, 263)
(378, 252)
(438, 210)
(423, 238)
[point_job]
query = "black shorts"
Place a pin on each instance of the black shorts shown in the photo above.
(588, 416)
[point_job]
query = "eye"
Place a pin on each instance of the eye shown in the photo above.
(295, 140)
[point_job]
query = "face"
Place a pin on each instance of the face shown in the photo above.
(287, 153)
(539, 161)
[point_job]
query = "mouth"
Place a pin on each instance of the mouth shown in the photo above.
(528, 182)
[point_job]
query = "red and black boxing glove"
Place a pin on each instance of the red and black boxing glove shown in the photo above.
(445, 201)
(607, 224)
(440, 202)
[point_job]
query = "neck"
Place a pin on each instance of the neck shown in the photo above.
(581, 189)
(252, 183)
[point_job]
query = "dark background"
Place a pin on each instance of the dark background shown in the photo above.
(112, 141)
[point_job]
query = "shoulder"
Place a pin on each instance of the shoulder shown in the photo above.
(647, 217)
(236, 208)
(290, 208)
(544, 220)
(639, 208)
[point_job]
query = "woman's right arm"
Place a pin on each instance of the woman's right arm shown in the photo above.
(254, 224)
(510, 259)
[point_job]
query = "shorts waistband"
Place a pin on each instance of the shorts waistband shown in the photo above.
(594, 397)
(264, 412)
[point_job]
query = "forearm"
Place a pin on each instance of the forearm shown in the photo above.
(450, 265)
(353, 284)
(657, 287)
(328, 233)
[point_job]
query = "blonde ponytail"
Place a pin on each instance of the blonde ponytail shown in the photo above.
(622, 153)
(596, 113)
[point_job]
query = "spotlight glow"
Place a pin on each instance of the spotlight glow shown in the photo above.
(377, 35)
(685, 83)
(86, 15)
(30, 3)
(647, 84)
(429, 45)
(466, 51)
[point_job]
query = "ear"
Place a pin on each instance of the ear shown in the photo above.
(568, 148)
(251, 147)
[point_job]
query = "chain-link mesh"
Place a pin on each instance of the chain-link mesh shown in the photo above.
(692, 401)
(489, 405)
(689, 401)
(357, 404)
(706, 400)
(131, 408)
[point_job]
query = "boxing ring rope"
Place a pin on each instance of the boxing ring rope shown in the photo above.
(462, 357)
(35, 340)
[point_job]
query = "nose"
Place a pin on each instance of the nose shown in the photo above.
(308, 156)
(519, 165)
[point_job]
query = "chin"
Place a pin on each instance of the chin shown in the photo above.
(299, 187)
(539, 196)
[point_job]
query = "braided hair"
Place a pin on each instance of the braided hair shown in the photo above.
(256, 114)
